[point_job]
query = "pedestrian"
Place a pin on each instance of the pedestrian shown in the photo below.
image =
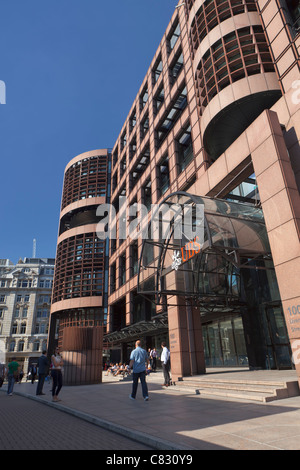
(154, 356)
(56, 374)
(21, 375)
(138, 360)
(33, 372)
(150, 357)
(43, 370)
(2, 374)
(13, 369)
(165, 361)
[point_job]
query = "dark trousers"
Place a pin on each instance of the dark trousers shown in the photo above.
(40, 384)
(154, 363)
(166, 371)
(142, 377)
(57, 381)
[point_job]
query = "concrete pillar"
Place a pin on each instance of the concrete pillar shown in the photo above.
(281, 207)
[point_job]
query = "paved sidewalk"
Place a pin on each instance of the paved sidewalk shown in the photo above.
(173, 420)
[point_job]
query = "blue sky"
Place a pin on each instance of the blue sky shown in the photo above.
(72, 69)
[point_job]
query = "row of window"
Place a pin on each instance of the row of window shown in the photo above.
(85, 179)
(159, 96)
(184, 155)
(47, 283)
(21, 345)
(20, 328)
(18, 313)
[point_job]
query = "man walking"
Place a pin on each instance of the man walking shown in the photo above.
(138, 360)
(165, 362)
(43, 368)
(13, 369)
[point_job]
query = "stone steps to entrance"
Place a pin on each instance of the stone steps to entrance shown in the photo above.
(253, 390)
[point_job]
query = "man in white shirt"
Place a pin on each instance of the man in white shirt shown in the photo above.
(165, 362)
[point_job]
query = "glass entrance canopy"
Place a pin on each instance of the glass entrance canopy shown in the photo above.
(196, 248)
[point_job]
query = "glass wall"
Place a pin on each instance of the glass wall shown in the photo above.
(224, 343)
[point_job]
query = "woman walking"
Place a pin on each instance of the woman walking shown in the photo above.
(56, 374)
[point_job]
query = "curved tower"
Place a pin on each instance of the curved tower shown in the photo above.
(233, 69)
(78, 299)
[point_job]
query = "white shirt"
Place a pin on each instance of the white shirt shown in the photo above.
(165, 355)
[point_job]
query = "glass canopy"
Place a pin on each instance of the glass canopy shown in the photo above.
(196, 248)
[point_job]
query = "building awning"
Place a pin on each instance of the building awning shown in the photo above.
(158, 324)
(196, 247)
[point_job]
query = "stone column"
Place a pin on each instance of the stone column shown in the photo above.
(186, 342)
(281, 207)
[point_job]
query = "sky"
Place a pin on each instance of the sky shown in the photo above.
(71, 69)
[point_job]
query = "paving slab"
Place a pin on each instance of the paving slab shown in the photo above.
(173, 420)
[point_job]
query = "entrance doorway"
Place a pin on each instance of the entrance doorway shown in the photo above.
(279, 354)
(224, 343)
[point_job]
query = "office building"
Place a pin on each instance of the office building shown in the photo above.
(79, 303)
(215, 123)
(25, 299)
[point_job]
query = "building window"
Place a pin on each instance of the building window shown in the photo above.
(2, 283)
(123, 166)
(122, 270)
(115, 156)
(171, 116)
(163, 175)
(1, 313)
(2, 298)
(132, 121)
(144, 126)
(144, 97)
(24, 313)
(21, 346)
(159, 98)
(147, 195)
(26, 298)
(174, 35)
(176, 67)
(157, 70)
(19, 298)
(17, 313)
(294, 10)
(113, 278)
(123, 140)
(132, 148)
(184, 146)
(134, 256)
(23, 329)
(36, 346)
(14, 329)
(139, 168)
(12, 346)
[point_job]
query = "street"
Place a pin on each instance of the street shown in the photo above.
(28, 425)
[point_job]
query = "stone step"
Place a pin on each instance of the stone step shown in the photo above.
(253, 390)
(239, 395)
(197, 380)
(231, 386)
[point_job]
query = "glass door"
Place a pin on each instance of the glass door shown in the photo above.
(280, 356)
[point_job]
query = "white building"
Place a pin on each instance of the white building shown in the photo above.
(25, 299)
